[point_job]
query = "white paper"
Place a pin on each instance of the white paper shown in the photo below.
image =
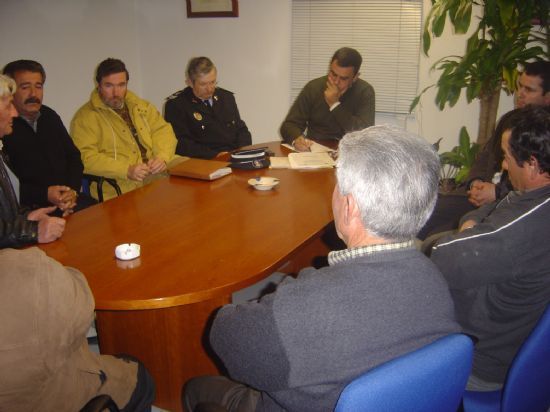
(315, 148)
(319, 148)
(311, 160)
(220, 172)
(279, 163)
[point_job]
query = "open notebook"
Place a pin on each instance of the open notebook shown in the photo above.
(314, 148)
(303, 160)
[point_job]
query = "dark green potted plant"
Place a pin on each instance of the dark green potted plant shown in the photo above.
(509, 33)
(456, 164)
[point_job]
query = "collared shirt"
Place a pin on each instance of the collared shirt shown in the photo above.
(7, 176)
(32, 123)
(340, 256)
(334, 106)
(125, 114)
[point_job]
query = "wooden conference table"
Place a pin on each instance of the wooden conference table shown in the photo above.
(200, 241)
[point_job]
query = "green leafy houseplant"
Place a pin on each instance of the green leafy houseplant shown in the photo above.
(456, 164)
(509, 33)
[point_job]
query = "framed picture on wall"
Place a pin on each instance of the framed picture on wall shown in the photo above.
(212, 8)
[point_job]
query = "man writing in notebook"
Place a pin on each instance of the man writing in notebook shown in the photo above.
(332, 105)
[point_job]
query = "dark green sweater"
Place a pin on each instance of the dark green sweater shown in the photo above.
(355, 112)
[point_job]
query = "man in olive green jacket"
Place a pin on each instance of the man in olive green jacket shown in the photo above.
(120, 135)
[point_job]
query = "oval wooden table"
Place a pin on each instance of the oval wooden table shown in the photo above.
(200, 242)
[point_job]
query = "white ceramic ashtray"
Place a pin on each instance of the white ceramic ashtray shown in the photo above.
(263, 183)
(127, 251)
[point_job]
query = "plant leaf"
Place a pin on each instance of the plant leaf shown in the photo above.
(462, 174)
(463, 17)
(426, 42)
(463, 140)
(438, 24)
(506, 8)
(416, 100)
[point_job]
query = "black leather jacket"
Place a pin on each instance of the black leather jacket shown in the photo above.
(15, 229)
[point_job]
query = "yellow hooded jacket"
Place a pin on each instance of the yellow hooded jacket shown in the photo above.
(106, 144)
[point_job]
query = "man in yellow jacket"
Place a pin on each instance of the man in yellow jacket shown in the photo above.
(120, 135)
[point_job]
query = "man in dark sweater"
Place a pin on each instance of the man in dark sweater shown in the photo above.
(332, 105)
(19, 227)
(485, 183)
(297, 348)
(498, 265)
(40, 151)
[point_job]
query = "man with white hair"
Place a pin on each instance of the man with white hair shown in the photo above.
(16, 227)
(297, 348)
(205, 117)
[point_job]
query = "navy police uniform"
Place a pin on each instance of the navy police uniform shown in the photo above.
(203, 131)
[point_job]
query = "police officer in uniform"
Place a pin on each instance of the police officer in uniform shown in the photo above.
(205, 118)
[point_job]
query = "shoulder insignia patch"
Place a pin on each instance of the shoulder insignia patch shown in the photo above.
(174, 95)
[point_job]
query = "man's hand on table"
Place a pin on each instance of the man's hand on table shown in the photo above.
(221, 156)
(49, 228)
(63, 197)
(138, 172)
(156, 165)
(302, 144)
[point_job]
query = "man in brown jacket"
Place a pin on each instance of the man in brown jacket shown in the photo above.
(45, 362)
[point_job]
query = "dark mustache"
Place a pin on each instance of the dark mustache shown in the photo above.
(32, 100)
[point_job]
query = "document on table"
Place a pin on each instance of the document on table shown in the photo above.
(311, 160)
(277, 162)
(320, 157)
(314, 148)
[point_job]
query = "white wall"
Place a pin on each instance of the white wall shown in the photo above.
(69, 38)
(155, 39)
(251, 53)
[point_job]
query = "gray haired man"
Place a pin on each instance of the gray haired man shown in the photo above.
(205, 117)
(297, 348)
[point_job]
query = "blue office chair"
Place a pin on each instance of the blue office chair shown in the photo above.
(527, 385)
(431, 378)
